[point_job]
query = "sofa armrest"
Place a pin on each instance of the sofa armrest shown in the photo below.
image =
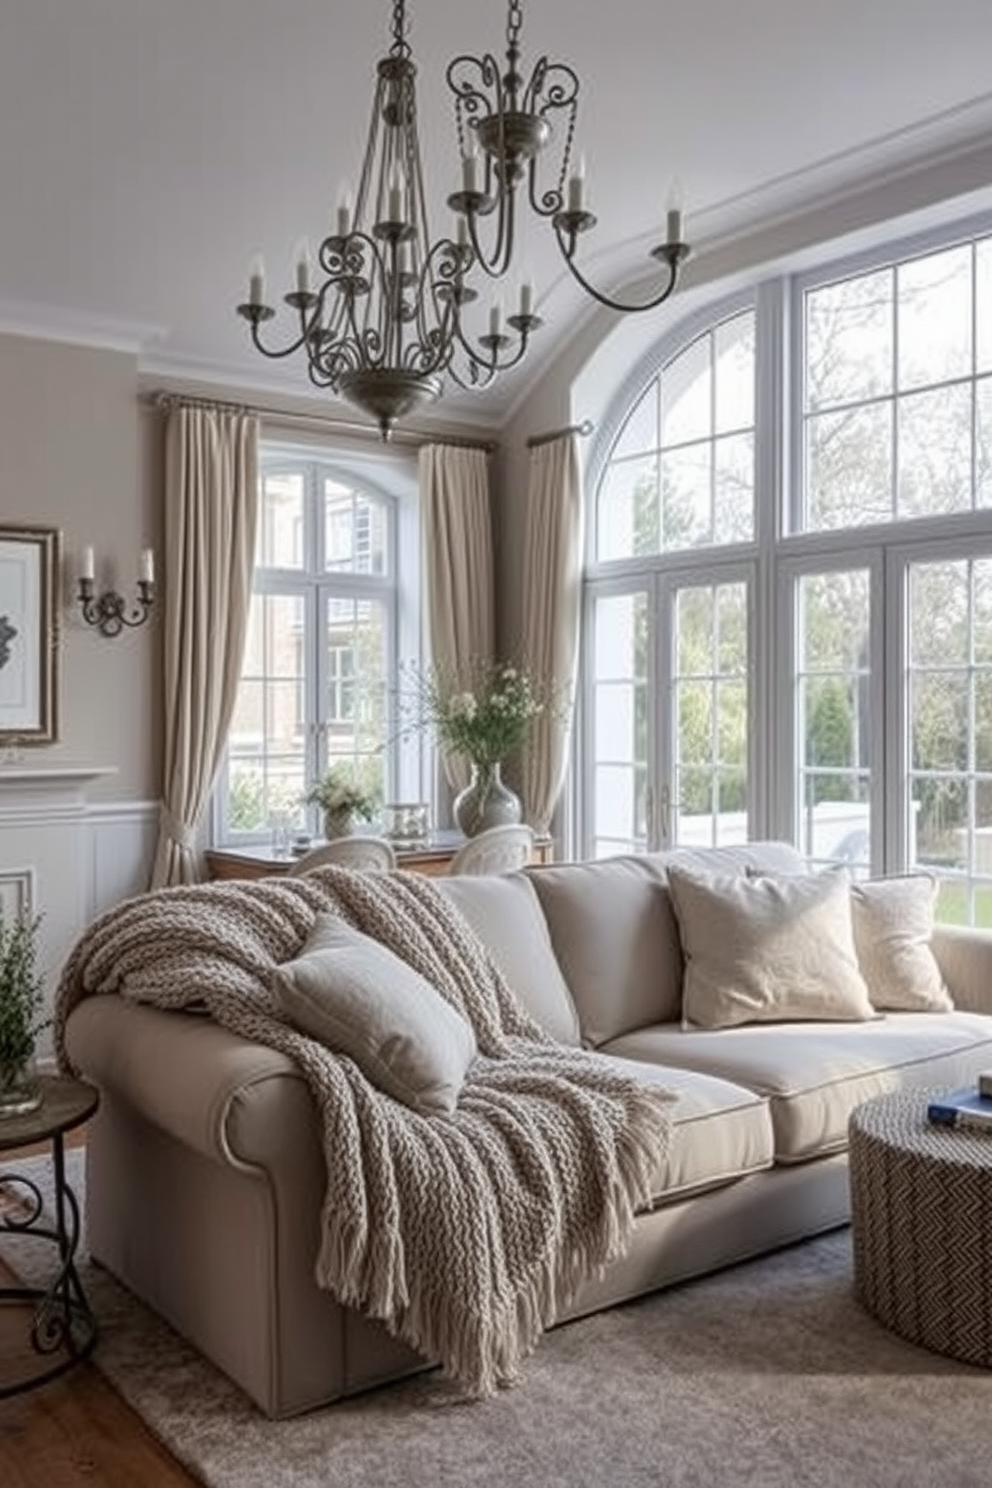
(964, 955)
(187, 1075)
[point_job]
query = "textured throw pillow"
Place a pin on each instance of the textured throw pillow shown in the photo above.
(354, 995)
(893, 922)
(767, 949)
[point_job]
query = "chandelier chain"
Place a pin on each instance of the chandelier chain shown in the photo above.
(514, 21)
(400, 46)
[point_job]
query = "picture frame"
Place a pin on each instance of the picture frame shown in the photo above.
(30, 565)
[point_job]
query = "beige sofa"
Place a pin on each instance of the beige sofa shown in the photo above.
(206, 1174)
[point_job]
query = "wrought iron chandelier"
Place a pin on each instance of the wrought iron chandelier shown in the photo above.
(385, 323)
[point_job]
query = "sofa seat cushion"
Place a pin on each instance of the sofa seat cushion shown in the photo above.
(814, 1074)
(721, 1131)
(505, 914)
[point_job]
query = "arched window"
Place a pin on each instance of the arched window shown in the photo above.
(788, 595)
(320, 659)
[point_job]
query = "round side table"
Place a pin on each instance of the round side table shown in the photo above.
(921, 1216)
(62, 1328)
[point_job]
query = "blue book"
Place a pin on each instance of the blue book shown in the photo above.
(965, 1109)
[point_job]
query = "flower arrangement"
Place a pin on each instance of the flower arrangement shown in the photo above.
(338, 794)
(487, 720)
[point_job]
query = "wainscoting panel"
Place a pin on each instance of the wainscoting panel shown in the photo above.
(65, 860)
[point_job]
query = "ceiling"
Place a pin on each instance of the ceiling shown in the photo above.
(148, 148)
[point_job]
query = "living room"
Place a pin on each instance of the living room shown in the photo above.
(124, 262)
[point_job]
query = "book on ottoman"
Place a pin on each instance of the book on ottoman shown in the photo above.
(965, 1109)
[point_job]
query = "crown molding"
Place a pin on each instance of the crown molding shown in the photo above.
(51, 323)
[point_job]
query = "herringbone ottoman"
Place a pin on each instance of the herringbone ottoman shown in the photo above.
(921, 1211)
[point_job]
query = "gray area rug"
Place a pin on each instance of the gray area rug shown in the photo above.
(767, 1375)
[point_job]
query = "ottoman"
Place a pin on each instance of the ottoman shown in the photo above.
(921, 1215)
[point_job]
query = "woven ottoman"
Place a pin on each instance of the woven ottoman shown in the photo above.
(921, 1215)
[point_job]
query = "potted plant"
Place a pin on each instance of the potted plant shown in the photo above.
(21, 1009)
(341, 799)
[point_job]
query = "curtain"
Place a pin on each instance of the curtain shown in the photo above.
(551, 600)
(211, 500)
(457, 541)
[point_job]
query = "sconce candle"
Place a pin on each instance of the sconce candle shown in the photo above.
(109, 611)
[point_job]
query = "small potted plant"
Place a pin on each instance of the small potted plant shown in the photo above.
(342, 800)
(21, 1014)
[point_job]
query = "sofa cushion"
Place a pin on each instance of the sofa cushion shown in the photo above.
(814, 1074)
(504, 912)
(616, 941)
(720, 1131)
(893, 924)
(358, 998)
(614, 932)
(766, 948)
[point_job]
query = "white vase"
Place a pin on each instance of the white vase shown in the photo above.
(338, 824)
(486, 802)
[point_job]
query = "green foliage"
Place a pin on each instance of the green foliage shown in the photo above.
(21, 992)
(486, 720)
(246, 801)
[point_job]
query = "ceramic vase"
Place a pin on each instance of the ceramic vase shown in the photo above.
(485, 802)
(338, 824)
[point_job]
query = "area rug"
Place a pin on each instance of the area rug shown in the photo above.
(768, 1375)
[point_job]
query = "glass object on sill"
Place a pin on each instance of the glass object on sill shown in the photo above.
(406, 823)
(281, 826)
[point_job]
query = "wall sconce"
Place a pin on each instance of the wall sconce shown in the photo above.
(109, 611)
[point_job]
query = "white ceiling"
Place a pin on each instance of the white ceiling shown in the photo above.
(148, 148)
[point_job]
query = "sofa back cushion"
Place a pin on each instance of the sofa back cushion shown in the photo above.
(615, 936)
(504, 912)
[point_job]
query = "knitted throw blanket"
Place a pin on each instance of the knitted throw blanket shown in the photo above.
(465, 1234)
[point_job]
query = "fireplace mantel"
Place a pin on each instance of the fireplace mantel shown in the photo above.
(60, 790)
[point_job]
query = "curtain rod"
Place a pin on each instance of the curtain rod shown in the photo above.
(162, 399)
(586, 427)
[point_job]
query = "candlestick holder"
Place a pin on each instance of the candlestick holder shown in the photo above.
(109, 611)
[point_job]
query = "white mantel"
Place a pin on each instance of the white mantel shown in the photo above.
(32, 790)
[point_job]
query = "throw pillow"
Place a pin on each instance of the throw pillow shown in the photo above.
(354, 995)
(767, 949)
(893, 923)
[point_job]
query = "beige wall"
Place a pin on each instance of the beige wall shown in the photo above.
(70, 428)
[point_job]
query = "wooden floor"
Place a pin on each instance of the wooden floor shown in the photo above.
(75, 1432)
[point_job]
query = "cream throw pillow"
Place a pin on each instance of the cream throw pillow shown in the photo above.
(767, 949)
(893, 923)
(357, 997)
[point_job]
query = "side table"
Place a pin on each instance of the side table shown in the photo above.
(921, 1216)
(62, 1327)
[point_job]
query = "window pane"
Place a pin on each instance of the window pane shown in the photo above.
(687, 497)
(934, 443)
(280, 525)
(639, 434)
(983, 443)
(627, 510)
(834, 715)
(620, 724)
(687, 395)
(710, 696)
(355, 531)
(734, 514)
(983, 306)
(849, 468)
(849, 340)
(734, 374)
(934, 317)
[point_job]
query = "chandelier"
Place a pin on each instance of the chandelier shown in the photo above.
(383, 321)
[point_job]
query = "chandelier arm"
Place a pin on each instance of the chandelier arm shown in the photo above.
(673, 255)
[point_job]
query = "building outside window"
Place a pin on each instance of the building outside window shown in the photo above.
(321, 656)
(788, 596)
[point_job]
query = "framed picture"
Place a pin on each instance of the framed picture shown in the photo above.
(29, 650)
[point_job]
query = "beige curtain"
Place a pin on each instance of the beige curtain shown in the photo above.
(457, 540)
(211, 499)
(551, 600)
